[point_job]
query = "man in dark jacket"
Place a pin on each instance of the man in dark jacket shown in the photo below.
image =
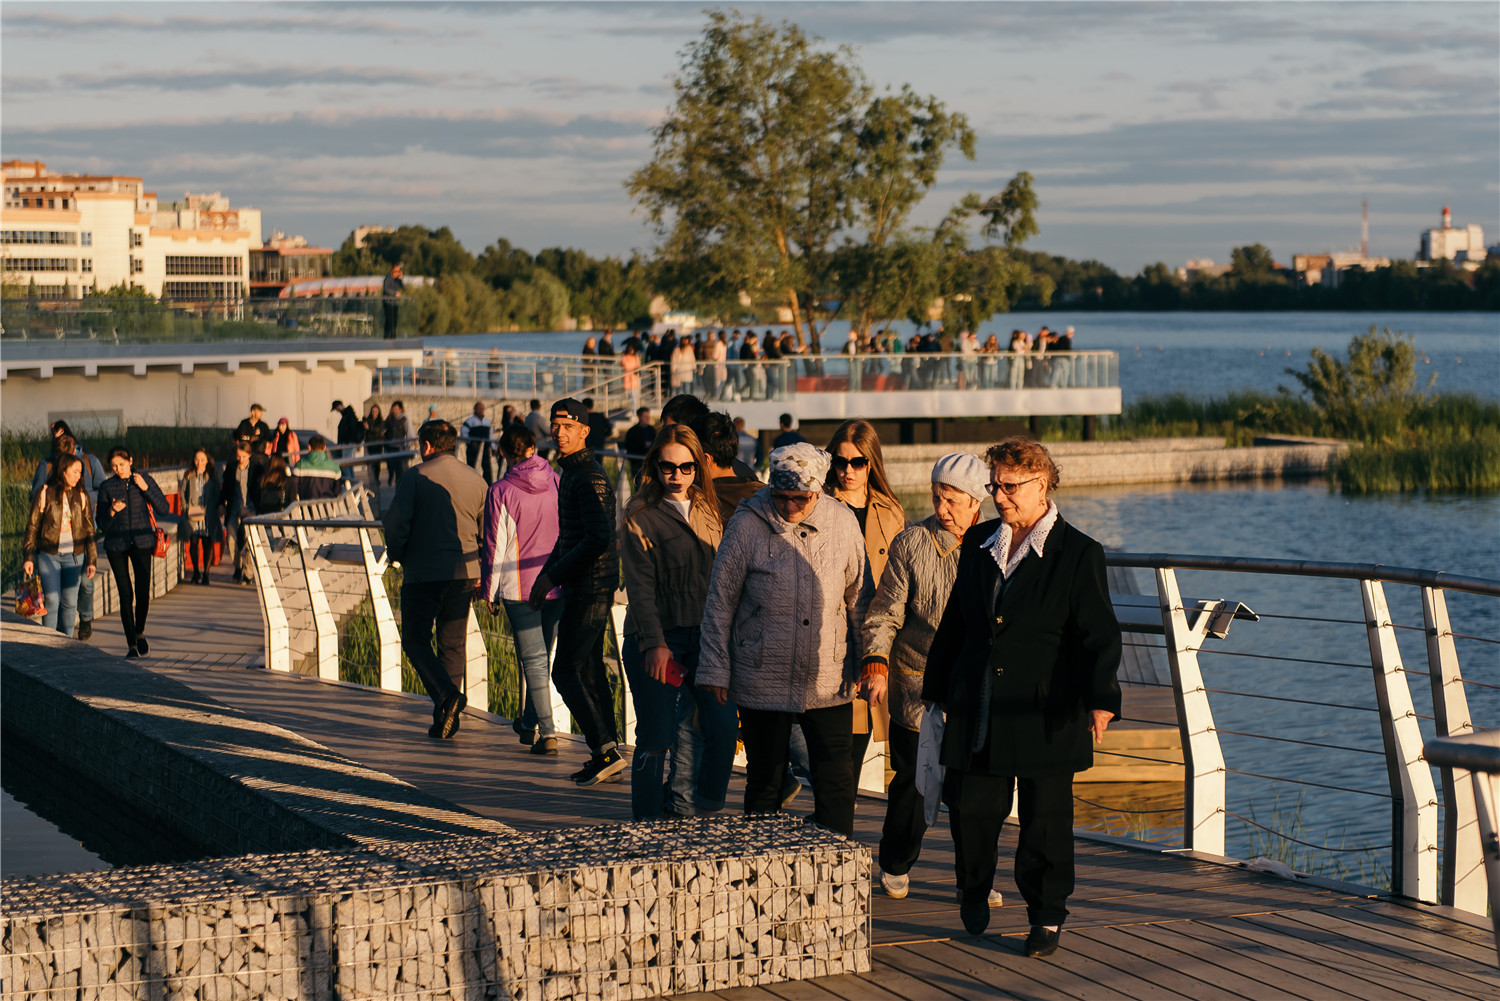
(317, 476)
(433, 528)
(638, 441)
(585, 563)
(238, 492)
(600, 429)
(351, 430)
(253, 429)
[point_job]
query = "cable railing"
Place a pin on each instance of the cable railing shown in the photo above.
(1478, 755)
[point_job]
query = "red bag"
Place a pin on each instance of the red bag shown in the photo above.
(29, 604)
(161, 536)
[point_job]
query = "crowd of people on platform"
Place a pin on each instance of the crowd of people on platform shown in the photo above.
(804, 615)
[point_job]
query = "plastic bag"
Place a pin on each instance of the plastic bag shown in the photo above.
(29, 602)
(929, 762)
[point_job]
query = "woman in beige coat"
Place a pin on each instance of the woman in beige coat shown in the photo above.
(667, 547)
(781, 632)
(856, 476)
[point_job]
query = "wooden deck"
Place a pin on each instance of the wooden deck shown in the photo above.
(1143, 924)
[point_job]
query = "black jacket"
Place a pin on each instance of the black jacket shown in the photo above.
(131, 527)
(586, 559)
(1019, 681)
(351, 428)
(236, 506)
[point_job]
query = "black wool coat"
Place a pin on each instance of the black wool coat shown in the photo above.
(1020, 679)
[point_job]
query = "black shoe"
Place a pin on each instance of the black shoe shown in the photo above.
(142, 646)
(545, 745)
(132, 654)
(446, 719)
(1041, 942)
(85, 628)
(601, 768)
(790, 787)
(976, 917)
(528, 737)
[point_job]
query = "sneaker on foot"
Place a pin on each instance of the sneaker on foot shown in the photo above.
(545, 745)
(996, 900)
(790, 787)
(85, 628)
(142, 646)
(1041, 941)
(528, 737)
(601, 768)
(896, 887)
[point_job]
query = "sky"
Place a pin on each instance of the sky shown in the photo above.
(1155, 132)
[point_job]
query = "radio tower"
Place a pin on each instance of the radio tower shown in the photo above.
(1364, 231)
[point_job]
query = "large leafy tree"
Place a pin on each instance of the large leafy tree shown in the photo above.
(750, 181)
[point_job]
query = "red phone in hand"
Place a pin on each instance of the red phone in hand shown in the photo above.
(676, 673)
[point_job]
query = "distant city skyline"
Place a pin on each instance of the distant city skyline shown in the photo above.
(1156, 132)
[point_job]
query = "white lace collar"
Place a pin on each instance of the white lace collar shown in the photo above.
(999, 543)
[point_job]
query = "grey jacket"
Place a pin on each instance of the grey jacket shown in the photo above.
(781, 625)
(434, 525)
(906, 610)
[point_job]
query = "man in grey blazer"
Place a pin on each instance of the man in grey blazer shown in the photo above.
(433, 528)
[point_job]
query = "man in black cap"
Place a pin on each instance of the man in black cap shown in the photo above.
(585, 563)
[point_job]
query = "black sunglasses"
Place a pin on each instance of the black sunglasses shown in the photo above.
(1009, 489)
(669, 468)
(840, 463)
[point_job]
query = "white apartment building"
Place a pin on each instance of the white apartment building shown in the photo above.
(1463, 245)
(71, 233)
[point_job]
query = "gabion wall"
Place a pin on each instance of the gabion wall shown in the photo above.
(632, 911)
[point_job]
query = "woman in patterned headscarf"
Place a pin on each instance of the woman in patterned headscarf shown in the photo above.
(781, 629)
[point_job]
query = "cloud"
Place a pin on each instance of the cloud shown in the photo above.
(571, 87)
(39, 22)
(1424, 76)
(262, 76)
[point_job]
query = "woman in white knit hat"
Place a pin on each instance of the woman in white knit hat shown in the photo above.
(781, 628)
(898, 629)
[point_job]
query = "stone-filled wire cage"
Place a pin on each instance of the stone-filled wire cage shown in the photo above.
(636, 911)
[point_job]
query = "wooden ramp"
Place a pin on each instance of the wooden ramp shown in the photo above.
(1143, 924)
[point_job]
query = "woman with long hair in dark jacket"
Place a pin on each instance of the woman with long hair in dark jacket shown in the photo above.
(59, 541)
(126, 501)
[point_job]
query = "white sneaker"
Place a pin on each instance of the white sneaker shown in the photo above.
(895, 886)
(996, 900)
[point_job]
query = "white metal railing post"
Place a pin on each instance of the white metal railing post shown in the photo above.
(476, 665)
(617, 616)
(1464, 885)
(278, 632)
(325, 628)
(388, 636)
(1203, 758)
(1413, 795)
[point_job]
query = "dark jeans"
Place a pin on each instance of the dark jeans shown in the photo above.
(978, 804)
(767, 735)
(443, 604)
(660, 709)
(394, 468)
(135, 601)
(476, 452)
(578, 668)
(390, 320)
(901, 837)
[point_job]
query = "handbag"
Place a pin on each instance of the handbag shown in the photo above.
(29, 602)
(929, 762)
(161, 536)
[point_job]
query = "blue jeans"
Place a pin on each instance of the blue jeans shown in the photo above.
(60, 576)
(660, 711)
(533, 631)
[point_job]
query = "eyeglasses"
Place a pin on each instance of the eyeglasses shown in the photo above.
(1009, 489)
(673, 468)
(840, 463)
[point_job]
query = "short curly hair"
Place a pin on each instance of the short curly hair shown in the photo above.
(1023, 453)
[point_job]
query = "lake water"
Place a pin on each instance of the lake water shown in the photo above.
(1201, 354)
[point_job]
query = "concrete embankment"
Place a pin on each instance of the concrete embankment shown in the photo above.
(1143, 460)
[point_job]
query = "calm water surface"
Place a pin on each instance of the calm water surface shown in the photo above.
(1201, 354)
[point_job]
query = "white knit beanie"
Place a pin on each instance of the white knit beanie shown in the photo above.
(965, 471)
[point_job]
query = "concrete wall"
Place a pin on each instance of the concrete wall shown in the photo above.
(203, 398)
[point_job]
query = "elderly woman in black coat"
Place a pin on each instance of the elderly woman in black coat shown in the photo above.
(1025, 662)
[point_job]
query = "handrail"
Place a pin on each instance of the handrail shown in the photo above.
(1476, 752)
(1309, 568)
(1479, 754)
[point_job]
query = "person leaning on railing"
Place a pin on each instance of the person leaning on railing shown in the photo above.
(433, 529)
(667, 547)
(1024, 662)
(520, 529)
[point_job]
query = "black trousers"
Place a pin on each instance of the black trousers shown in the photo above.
(901, 837)
(135, 601)
(578, 667)
(476, 452)
(440, 606)
(767, 735)
(978, 804)
(390, 320)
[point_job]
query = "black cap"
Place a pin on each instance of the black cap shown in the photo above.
(571, 409)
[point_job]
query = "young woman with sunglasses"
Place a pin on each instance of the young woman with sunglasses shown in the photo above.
(856, 476)
(667, 547)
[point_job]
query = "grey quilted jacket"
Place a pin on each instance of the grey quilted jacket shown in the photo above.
(906, 611)
(785, 605)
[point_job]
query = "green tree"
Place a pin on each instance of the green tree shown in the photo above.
(749, 183)
(1369, 396)
(1252, 261)
(419, 250)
